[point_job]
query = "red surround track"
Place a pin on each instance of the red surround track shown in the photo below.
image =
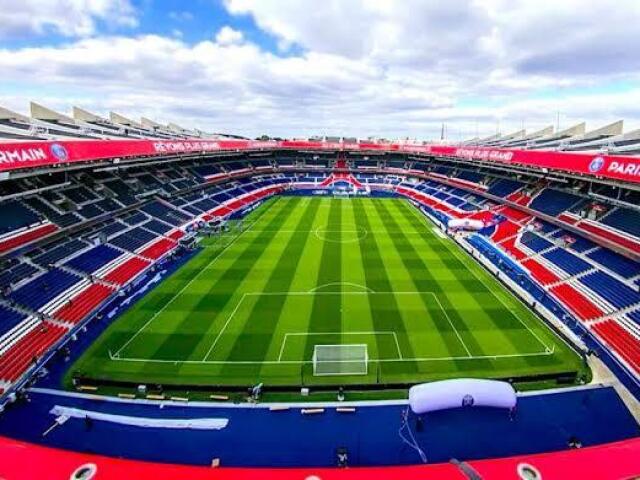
(612, 461)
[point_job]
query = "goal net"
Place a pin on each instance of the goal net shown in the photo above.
(342, 193)
(348, 359)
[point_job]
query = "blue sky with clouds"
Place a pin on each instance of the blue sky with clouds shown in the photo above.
(353, 67)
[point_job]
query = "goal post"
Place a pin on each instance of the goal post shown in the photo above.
(345, 359)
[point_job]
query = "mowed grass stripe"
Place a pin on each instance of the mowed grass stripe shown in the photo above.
(258, 332)
(165, 293)
(165, 306)
(356, 311)
(326, 311)
(196, 313)
(296, 311)
(498, 323)
(448, 323)
(385, 311)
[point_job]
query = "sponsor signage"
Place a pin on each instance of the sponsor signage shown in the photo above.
(18, 155)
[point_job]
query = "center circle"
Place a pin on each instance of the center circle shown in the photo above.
(338, 235)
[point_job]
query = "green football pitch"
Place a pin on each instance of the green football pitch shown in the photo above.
(373, 274)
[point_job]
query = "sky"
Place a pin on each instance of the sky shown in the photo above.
(293, 68)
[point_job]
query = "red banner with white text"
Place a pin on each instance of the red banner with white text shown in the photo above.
(18, 155)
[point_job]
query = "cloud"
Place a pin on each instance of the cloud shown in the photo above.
(69, 18)
(357, 67)
(228, 36)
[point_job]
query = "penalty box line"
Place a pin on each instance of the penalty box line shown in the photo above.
(309, 362)
(313, 293)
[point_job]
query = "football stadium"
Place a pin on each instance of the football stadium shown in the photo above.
(182, 304)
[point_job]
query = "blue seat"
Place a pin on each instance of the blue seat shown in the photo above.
(623, 266)
(624, 219)
(617, 293)
(44, 288)
(93, 259)
(553, 202)
(535, 242)
(567, 261)
(14, 215)
(9, 319)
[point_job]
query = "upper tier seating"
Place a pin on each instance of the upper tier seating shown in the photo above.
(553, 202)
(624, 219)
(503, 187)
(52, 254)
(60, 219)
(14, 215)
(133, 239)
(165, 213)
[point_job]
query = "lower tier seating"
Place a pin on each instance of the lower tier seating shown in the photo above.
(84, 303)
(23, 353)
(625, 344)
(158, 249)
(127, 271)
(576, 302)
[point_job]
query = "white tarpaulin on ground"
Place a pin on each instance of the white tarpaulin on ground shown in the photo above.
(186, 423)
(445, 394)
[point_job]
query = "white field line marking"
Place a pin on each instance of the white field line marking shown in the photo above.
(224, 327)
(257, 230)
(349, 284)
(308, 362)
(452, 325)
(510, 309)
(395, 338)
(464, 345)
(308, 334)
(319, 232)
(187, 285)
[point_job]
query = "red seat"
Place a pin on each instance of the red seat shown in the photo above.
(84, 303)
(623, 343)
(578, 303)
(540, 272)
(27, 237)
(159, 248)
(20, 356)
(504, 230)
(612, 236)
(126, 271)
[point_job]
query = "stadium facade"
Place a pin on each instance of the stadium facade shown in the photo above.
(100, 222)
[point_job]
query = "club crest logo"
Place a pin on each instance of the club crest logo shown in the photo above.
(596, 164)
(468, 400)
(59, 152)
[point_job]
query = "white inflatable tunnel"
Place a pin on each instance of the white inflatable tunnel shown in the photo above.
(465, 224)
(465, 392)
